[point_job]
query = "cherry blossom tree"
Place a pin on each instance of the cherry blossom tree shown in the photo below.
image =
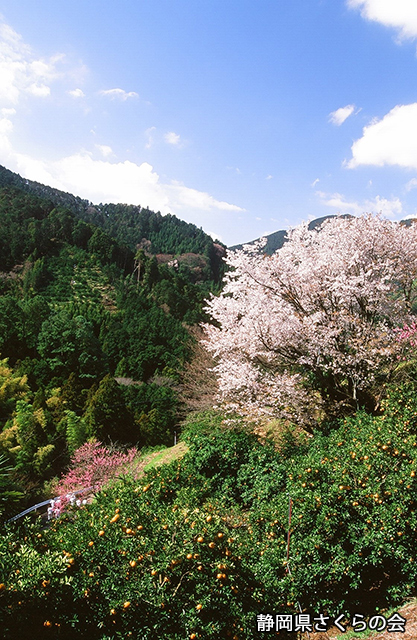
(311, 330)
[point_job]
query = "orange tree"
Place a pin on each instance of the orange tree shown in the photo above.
(197, 548)
(165, 557)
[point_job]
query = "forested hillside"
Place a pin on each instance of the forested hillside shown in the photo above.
(292, 502)
(134, 226)
(79, 310)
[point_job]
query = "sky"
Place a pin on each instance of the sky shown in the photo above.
(240, 116)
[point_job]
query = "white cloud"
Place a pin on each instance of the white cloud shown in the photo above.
(390, 141)
(340, 115)
(153, 136)
(185, 197)
(214, 235)
(104, 181)
(76, 93)
(389, 208)
(40, 90)
(119, 94)
(149, 137)
(20, 71)
(24, 74)
(8, 112)
(105, 150)
(269, 177)
(398, 14)
(6, 126)
(411, 184)
(172, 138)
(337, 201)
(316, 181)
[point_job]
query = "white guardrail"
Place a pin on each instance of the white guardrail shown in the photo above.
(55, 504)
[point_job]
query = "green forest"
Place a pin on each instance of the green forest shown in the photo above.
(80, 310)
(101, 367)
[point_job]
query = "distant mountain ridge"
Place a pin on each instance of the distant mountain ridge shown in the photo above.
(276, 240)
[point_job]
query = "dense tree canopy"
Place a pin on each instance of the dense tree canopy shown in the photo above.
(80, 314)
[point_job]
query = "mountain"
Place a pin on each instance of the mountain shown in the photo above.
(275, 241)
(96, 305)
(164, 236)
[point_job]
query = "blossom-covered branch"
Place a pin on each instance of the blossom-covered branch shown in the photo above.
(312, 327)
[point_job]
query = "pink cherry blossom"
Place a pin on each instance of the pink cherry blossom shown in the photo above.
(93, 465)
(313, 325)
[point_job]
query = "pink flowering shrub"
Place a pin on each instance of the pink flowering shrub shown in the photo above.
(408, 333)
(93, 465)
(407, 339)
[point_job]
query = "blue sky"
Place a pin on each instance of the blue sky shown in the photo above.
(241, 116)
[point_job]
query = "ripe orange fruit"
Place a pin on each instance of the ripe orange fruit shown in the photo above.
(189, 556)
(90, 544)
(132, 563)
(154, 572)
(101, 533)
(47, 623)
(220, 534)
(126, 604)
(199, 606)
(212, 545)
(200, 539)
(209, 518)
(115, 518)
